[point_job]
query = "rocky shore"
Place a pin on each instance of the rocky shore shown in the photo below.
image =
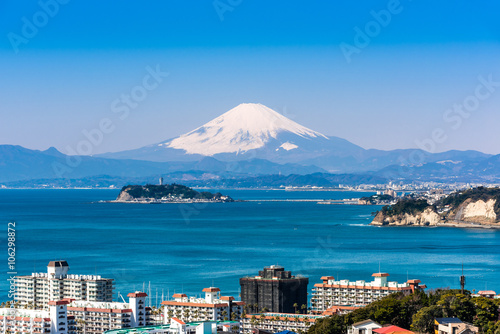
(472, 209)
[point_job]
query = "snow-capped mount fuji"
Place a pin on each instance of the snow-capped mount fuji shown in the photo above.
(249, 126)
(253, 131)
(248, 131)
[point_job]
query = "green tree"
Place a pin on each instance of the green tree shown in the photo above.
(486, 311)
(457, 305)
(423, 321)
(331, 325)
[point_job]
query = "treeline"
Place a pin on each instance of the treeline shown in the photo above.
(476, 194)
(418, 311)
(410, 206)
(174, 190)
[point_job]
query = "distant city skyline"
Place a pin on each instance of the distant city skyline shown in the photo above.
(381, 74)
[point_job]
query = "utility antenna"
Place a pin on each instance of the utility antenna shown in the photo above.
(379, 267)
(462, 280)
(149, 293)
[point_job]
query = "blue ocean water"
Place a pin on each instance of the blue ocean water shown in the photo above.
(184, 248)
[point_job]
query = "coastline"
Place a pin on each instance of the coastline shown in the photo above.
(177, 201)
(454, 224)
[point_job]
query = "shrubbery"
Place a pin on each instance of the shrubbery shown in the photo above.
(476, 194)
(417, 312)
(409, 206)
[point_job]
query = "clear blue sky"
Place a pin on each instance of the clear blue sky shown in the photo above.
(285, 54)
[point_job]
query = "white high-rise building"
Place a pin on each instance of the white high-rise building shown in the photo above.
(55, 320)
(37, 290)
(331, 293)
(98, 317)
(211, 308)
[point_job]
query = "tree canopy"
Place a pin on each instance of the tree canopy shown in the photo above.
(417, 312)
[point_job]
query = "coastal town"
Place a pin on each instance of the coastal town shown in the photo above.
(250, 167)
(271, 300)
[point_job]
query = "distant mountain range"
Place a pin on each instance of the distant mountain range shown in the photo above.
(247, 143)
(18, 163)
(251, 131)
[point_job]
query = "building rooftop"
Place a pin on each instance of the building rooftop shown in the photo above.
(445, 321)
(286, 315)
(380, 275)
(138, 330)
(99, 305)
(179, 321)
(58, 264)
(365, 322)
(274, 266)
(137, 294)
(391, 330)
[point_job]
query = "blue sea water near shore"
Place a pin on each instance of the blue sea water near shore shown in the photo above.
(186, 247)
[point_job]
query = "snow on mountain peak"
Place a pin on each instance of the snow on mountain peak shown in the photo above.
(245, 127)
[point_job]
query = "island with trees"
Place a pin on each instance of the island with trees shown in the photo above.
(169, 193)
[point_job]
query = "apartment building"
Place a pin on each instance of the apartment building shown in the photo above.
(332, 293)
(98, 317)
(37, 290)
(274, 290)
(277, 322)
(177, 326)
(55, 320)
(213, 307)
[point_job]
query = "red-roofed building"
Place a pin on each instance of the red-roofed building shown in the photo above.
(487, 293)
(380, 275)
(180, 322)
(340, 310)
(392, 330)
